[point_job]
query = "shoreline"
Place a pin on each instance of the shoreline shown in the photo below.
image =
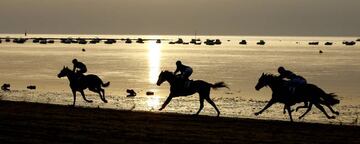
(49, 123)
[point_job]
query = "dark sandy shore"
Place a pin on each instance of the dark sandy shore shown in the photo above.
(22, 122)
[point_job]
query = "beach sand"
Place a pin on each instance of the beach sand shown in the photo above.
(25, 122)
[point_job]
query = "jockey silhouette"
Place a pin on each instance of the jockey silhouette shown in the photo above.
(294, 80)
(185, 72)
(79, 68)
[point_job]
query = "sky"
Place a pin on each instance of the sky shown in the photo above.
(182, 17)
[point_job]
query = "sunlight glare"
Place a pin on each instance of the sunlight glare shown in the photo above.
(154, 61)
(153, 101)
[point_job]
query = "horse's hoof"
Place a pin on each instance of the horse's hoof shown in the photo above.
(89, 101)
(300, 117)
(257, 114)
(105, 101)
(332, 117)
(337, 113)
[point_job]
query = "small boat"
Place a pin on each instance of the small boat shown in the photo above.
(217, 42)
(95, 41)
(179, 41)
(158, 41)
(43, 41)
(328, 43)
(110, 41)
(261, 42)
(349, 43)
(243, 42)
(128, 41)
(313, 43)
(358, 39)
(209, 42)
(51, 41)
(139, 40)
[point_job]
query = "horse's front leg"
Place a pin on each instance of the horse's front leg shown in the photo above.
(270, 103)
(74, 95)
(166, 102)
(289, 111)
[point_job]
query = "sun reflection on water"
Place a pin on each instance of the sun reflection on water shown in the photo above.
(154, 61)
(153, 101)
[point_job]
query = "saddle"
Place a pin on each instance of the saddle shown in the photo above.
(183, 84)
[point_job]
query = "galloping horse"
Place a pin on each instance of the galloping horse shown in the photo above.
(198, 86)
(93, 82)
(307, 93)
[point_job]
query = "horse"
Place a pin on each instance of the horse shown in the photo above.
(307, 93)
(80, 83)
(197, 86)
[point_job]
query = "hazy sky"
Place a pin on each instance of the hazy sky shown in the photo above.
(215, 17)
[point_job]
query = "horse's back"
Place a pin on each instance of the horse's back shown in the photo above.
(91, 78)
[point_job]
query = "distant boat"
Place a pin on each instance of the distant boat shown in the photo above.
(158, 41)
(0, 40)
(139, 40)
(179, 41)
(349, 43)
(128, 41)
(243, 42)
(82, 41)
(193, 41)
(209, 42)
(51, 41)
(217, 42)
(36, 40)
(261, 42)
(110, 41)
(95, 41)
(43, 41)
(358, 39)
(313, 43)
(328, 43)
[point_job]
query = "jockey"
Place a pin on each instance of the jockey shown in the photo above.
(79, 67)
(294, 80)
(185, 71)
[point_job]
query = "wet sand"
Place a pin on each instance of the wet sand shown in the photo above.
(24, 122)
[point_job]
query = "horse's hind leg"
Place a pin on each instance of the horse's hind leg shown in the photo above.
(332, 110)
(309, 108)
(103, 95)
(98, 91)
(201, 99)
(323, 110)
(213, 104)
(83, 95)
(304, 106)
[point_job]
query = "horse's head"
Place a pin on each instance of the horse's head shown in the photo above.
(64, 72)
(263, 81)
(163, 76)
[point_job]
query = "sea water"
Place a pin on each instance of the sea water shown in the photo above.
(137, 66)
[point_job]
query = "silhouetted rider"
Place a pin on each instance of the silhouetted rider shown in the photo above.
(79, 67)
(185, 71)
(294, 80)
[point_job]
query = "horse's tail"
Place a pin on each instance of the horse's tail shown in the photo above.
(219, 85)
(105, 84)
(330, 98)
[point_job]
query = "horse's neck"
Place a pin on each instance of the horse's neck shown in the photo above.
(71, 76)
(171, 79)
(275, 84)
